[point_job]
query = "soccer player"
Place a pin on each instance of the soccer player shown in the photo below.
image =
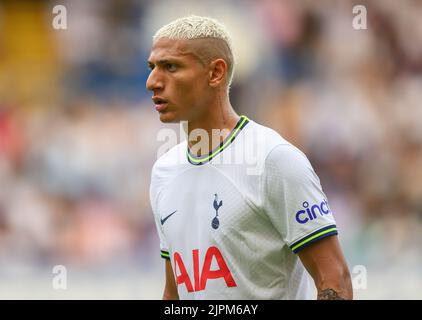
(227, 232)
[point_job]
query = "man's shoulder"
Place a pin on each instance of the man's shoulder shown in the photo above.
(173, 157)
(274, 148)
(266, 139)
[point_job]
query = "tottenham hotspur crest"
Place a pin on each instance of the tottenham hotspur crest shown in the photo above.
(215, 222)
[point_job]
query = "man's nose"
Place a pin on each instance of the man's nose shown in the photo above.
(154, 82)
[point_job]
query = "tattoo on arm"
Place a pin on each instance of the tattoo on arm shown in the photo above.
(329, 294)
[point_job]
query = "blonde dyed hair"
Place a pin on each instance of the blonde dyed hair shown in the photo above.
(196, 27)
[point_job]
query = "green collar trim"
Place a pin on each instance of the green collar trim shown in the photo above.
(243, 121)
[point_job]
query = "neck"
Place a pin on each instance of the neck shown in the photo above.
(210, 129)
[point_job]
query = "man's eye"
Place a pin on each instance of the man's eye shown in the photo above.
(171, 67)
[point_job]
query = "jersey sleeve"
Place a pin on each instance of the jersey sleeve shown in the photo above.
(293, 198)
(154, 195)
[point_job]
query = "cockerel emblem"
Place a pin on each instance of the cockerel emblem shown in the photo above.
(216, 222)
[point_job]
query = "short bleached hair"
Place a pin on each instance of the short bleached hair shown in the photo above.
(196, 27)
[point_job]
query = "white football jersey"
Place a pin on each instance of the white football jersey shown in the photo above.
(231, 222)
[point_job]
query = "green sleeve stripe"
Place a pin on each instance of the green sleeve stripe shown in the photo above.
(165, 254)
(314, 237)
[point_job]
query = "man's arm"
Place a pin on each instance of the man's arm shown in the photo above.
(170, 289)
(325, 262)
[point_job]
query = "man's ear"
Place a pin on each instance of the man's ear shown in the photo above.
(217, 72)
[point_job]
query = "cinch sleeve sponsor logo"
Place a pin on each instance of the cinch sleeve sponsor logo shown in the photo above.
(310, 213)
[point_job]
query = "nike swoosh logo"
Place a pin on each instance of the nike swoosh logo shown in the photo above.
(165, 219)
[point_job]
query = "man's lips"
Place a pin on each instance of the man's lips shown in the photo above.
(160, 107)
(160, 103)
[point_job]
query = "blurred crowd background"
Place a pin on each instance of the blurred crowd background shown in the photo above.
(78, 134)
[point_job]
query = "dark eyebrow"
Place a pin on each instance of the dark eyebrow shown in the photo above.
(161, 62)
